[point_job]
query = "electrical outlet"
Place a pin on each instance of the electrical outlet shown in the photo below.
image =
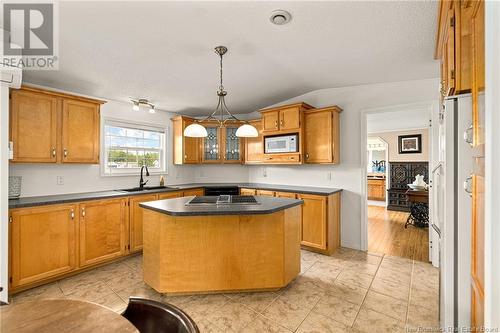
(264, 172)
(60, 180)
(329, 175)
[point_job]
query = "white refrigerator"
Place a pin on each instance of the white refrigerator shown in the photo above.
(450, 223)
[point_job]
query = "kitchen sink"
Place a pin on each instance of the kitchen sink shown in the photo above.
(146, 188)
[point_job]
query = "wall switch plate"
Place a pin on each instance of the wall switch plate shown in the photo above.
(60, 180)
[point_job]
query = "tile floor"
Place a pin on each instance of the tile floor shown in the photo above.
(350, 291)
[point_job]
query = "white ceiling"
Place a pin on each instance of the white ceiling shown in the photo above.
(163, 51)
(412, 118)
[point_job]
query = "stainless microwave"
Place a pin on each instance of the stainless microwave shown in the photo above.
(281, 144)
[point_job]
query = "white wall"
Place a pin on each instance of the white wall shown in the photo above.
(40, 179)
(347, 174)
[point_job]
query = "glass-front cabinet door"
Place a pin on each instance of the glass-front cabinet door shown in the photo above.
(211, 146)
(232, 147)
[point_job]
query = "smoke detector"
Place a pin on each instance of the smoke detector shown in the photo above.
(280, 17)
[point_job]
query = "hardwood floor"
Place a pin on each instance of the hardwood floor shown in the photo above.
(387, 234)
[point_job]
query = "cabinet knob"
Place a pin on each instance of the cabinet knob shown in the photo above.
(83, 212)
(185, 156)
(65, 152)
(53, 152)
(282, 122)
(276, 124)
(72, 214)
(307, 156)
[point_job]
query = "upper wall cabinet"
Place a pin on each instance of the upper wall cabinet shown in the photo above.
(322, 135)
(51, 127)
(453, 46)
(286, 118)
(254, 147)
(186, 150)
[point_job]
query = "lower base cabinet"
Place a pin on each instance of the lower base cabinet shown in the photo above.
(135, 220)
(42, 243)
(102, 231)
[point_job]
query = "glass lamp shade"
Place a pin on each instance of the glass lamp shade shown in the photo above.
(135, 107)
(195, 131)
(247, 131)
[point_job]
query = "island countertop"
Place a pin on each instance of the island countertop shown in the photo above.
(178, 207)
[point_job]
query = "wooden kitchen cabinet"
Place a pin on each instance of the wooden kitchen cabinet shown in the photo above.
(322, 135)
(194, 192)
(321, 222)
(52, 127)
(135, 220)
(221, 144)
(288, 195)
(80, 132)
(169, 195)
(42, 243)
(265, 193)
(186, 150)
(247, 191)
(376, 189)
(102, 230)
(287, 118)
(34, 127)
(254, 147)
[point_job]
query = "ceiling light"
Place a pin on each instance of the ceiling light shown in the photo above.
(280, 17)
(142, 101)
(223, 114)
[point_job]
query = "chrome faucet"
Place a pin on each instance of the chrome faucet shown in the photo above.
(141, 181)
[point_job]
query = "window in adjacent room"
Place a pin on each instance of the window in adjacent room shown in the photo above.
(127, 147)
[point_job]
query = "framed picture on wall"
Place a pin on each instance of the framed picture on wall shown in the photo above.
(410, 144)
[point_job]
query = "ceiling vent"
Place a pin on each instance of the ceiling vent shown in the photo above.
(280, 17)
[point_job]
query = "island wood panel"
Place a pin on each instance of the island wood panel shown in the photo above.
(265, 193)
(33, 127)
(102, 230)
(285, 195)
(186, 254)
(169, 195)
(42, 243)
(194, 192)
(136, 220)
(247, 191)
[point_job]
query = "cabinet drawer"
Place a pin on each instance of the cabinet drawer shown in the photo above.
(282, 158)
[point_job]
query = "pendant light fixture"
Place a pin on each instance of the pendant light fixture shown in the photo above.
(221, 114)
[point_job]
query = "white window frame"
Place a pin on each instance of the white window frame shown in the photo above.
(136, 125)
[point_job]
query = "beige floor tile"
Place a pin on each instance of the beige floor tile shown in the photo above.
(349, 276)
(176, 300)
(286, 314)
(389, 306)
(305, 265)
(385, 273)
(113, 302)
(426, 297)
(336, 308)
(351, 293)
(317, 323)
(90, 292)
(70, 284)
(202, 305)
(427, 320)
(256, 301)
(207, 327)
(139, 290)
(339, 262)
(392, 285)
(260, 324)
(344, 253)
(304, 291)
(51, 290)
(124, 280)
(369, 321)
(134, 262)
(367, 257)
(232, 316)
(397, 264)
(362, 267)
(323, 275)
(309, 256)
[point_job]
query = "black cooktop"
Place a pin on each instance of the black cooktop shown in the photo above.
(223, 199)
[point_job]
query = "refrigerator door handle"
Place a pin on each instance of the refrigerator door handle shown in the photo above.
(468, 135)
(468, 185)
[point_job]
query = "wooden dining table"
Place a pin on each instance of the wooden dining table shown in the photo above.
(61, 316)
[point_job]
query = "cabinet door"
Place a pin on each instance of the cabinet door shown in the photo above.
(247, 191)
(80, 132)
(102, 231)
(265, 193)
(169, 195)
(286, 195)
(232, 145)
(314, 221)
(194, 192)
(449, 53)
(33, 129)
(211, 145)
(42, 243)
(191, 147)
(318, 137)
(254, 147)
(289, 119)
(270, 121)
(135, 220)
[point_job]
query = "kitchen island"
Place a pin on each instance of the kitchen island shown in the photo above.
(212, 248)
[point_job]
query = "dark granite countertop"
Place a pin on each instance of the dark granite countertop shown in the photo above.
(75, 197)
(178, 207)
